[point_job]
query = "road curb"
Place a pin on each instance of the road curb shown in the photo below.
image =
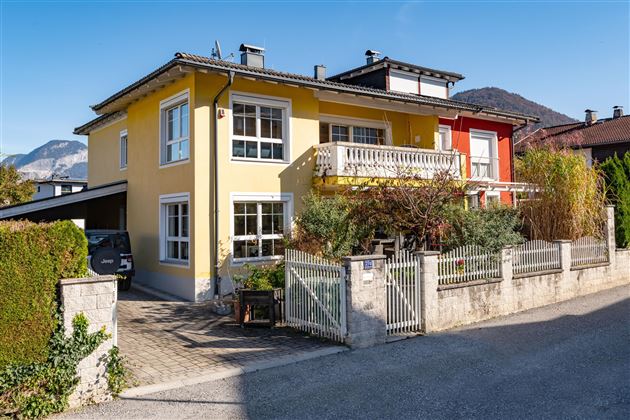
(209, 376)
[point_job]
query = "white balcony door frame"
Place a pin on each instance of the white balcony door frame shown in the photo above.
(493, 151)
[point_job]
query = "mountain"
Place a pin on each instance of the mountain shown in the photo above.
(499, 98)
(58, 157)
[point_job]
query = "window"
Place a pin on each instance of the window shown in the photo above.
(472, 200)
(259, 128)
(351, 133)
(492, 198)
(38, 188)
(259, 227)
(123, 149)
(66, 189)
(175, 229)
(445, 139)
(175, 123)
(483, 149)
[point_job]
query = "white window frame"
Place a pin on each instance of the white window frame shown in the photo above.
(165, 200)
(446, 129)
(286, 198)
(493, 159)
(487, 194)
(358, 122)
(264, 101)
(165, 105)
(123, 158)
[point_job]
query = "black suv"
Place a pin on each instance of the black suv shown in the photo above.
(109, 252)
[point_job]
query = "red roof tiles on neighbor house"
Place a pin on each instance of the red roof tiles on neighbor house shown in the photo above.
(577, 135)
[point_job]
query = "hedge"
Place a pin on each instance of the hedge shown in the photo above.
(617, 172)
(33, 257)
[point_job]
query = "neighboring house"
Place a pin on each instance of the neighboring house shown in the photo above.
(596, 139)
(45, 188)
(198, 209)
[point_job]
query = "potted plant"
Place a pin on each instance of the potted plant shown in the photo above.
(263, 286)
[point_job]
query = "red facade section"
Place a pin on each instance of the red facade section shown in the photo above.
(460, 132)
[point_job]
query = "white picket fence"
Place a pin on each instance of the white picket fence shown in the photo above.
(533, 256)
(403, 294)
(315, 295)
(588, 250)
(467, 263)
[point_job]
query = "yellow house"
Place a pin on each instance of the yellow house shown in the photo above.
(217, 155)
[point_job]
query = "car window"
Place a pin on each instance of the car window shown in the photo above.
(108, 240)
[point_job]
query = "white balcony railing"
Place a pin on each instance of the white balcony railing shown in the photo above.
(366, 160)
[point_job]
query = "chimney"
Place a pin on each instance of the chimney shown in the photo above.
(320, 72)
(252, 56)
(617, 111)
(372, 56)
(591, 117)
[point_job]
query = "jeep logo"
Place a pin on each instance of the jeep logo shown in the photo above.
(109, 261)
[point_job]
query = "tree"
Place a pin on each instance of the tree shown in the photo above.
(13, 189)
(617, 172)
(568, 201)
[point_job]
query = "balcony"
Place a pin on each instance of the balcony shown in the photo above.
(341, 159)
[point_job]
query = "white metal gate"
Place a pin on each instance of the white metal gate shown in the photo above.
(403, 294)
(315, 295)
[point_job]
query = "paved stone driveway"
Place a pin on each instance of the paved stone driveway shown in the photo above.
(165, 340)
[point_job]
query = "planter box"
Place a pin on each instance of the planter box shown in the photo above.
(270, 299)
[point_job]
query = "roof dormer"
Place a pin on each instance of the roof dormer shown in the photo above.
(397, 76)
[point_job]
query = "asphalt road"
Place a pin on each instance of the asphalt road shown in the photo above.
(569, 360)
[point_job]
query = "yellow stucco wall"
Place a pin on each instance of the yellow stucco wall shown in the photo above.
(104, 155)
(147, 180)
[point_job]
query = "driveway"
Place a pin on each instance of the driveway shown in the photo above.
(166, 341)
(569, 360)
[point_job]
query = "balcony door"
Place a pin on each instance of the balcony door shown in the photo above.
(483, 154)
(353, 130)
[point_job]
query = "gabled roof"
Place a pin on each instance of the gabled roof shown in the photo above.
(578, 135)
(118, 101)
(401, 65)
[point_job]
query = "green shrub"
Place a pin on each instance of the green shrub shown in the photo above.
(491, 228)
(327, 227)
(38, 389)
(264, 277)
(33, 259)
(617, 171)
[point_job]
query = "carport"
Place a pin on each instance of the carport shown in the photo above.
(102, 207)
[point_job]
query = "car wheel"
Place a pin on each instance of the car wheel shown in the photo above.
(124, 284)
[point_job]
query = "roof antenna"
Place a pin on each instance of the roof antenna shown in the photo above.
(216, 51)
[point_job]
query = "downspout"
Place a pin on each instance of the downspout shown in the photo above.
(217, 278)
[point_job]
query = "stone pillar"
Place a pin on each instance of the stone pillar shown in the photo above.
(565, 256)
(507, 269)
(610, 234)
(366, 300)
(96, 298)
(429, 289)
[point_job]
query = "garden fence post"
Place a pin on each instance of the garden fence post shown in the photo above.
(366, 300)
(610, 234)
(507, 268)
(428, 288)
(565, 255)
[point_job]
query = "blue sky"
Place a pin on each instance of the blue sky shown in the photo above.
(57, 58)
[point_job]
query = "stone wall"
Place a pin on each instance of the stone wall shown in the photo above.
(474, 302)
(366, 303)
(96, 298)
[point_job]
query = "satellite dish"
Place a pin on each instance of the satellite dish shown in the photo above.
(217, 48)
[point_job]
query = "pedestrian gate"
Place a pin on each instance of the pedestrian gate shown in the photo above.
(403, 294)
(315, 295)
